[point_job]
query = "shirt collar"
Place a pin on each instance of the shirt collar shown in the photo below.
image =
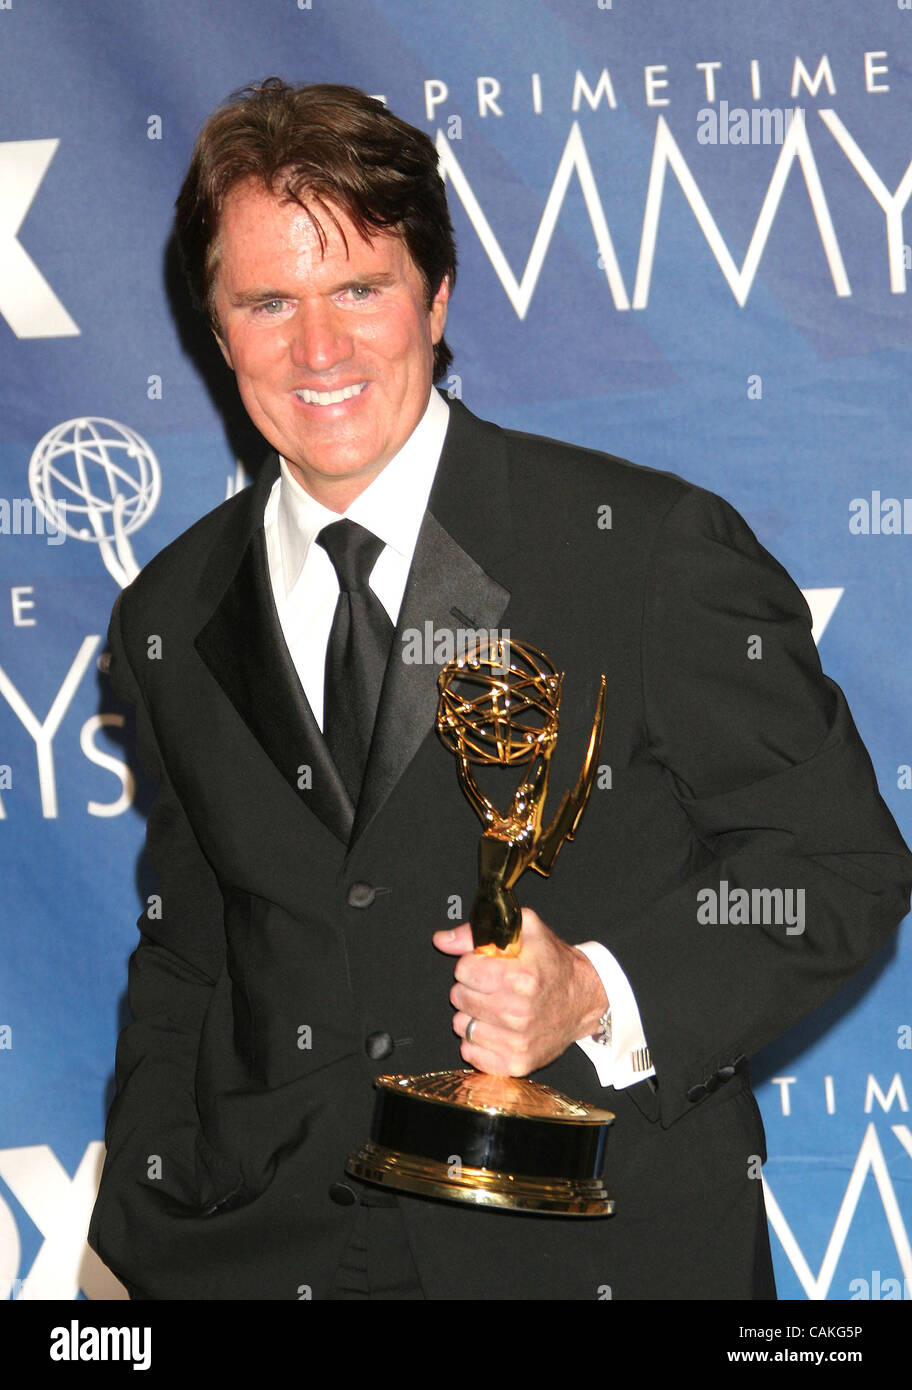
(392, 506)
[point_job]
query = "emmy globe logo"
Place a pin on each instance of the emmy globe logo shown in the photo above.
(99, 481)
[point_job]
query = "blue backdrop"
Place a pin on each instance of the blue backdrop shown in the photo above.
(682, 239)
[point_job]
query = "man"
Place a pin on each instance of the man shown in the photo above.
(310, 833)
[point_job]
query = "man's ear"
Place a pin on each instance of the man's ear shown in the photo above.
(224, 347)
(439, 309)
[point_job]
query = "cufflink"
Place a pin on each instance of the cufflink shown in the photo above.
(603, 1033)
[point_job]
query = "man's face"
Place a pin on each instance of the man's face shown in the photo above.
(333, 351)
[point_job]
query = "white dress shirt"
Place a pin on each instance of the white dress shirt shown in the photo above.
(306, 589)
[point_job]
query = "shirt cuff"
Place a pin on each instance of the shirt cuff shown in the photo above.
(625, 1060)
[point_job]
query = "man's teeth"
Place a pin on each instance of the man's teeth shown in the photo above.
(330, 397)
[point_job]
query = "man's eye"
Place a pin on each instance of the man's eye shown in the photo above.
(361, 292)
(272, 306)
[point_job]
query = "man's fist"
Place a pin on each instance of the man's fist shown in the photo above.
(527, 1008)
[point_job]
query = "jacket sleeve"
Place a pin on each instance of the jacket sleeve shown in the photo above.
(160, 1179)
(760, 751)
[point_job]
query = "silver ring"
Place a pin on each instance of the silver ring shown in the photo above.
(470, 1030)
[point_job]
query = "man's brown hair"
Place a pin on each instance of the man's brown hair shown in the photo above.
(320, 146)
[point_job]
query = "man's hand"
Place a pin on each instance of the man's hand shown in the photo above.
(528, 1008)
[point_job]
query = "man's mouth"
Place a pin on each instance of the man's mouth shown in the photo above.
(330, 397)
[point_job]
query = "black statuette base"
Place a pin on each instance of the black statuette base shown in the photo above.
(529, 1149)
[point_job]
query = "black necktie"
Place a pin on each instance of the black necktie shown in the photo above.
(358, 650)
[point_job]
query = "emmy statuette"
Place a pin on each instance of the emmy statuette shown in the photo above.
(498, 1141)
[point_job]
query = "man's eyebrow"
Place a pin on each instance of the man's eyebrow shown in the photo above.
(380, 279)
(241, 298)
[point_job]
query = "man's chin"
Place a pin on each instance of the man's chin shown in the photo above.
(334, 474)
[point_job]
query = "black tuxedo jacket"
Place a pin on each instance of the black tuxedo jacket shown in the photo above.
(289, 958)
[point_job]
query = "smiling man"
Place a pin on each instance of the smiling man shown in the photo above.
(310, 834)
(330, 336)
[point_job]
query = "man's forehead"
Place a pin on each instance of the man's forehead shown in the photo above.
(305, 214)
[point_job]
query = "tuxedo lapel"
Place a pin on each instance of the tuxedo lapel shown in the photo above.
(467, 526)
(244, 647)
(446, 591)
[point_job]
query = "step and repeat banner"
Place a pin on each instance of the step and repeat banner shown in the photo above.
(683, 239)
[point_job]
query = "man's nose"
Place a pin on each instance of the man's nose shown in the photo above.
(320, 337)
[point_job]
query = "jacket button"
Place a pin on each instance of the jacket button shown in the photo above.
(725, 1073)
(361, 895)
(696, 1092)
(712, 1083)
(342, 1195)
(378, 1045)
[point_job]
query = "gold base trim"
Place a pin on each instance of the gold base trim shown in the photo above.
(480, 1187)
(481, 1092)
